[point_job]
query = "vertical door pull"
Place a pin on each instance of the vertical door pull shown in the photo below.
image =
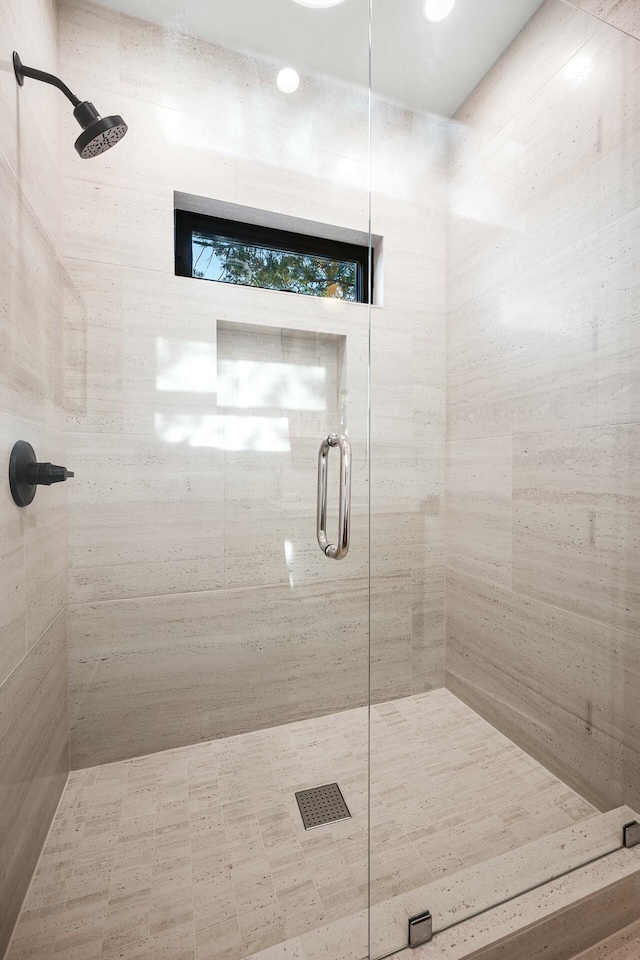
(340, 550)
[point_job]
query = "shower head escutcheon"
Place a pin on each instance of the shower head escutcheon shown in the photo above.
(98, 133)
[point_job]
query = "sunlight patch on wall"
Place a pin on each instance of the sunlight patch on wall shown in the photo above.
(251, 384)
(186, 366)
(225, 432)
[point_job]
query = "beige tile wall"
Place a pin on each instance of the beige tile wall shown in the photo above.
(623, 14)
(34, 724)
(174, 533)
(543, 607)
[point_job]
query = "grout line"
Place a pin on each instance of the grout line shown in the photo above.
(606, 23)
(68, 668)
(531, 599)
(62, 610)
(33, 875)
(523, 271)
(522, 434)
(363, 578)
(24, 198)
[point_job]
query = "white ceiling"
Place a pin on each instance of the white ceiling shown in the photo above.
(423, 65)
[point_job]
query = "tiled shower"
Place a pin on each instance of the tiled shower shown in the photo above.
(178, 658)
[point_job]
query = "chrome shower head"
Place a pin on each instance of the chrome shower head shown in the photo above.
(98, 133)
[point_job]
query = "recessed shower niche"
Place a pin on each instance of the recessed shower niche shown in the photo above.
(280, 391)
(276, 385)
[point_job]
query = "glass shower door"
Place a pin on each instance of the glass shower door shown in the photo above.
(503, 407)
(217, 336)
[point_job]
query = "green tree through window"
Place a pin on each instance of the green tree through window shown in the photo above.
(231, 261)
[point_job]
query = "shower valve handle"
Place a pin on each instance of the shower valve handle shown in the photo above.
(46, 474)
(26, 474)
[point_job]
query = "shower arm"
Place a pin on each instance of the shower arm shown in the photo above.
(98, 133)
(21, 72)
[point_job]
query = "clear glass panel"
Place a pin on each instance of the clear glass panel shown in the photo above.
(211, 633)
(504, 381)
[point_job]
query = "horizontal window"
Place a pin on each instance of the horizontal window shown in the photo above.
(227, 251)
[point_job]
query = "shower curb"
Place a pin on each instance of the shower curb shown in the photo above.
(556, 921)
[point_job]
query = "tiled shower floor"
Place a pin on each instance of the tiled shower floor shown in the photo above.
(199, 853)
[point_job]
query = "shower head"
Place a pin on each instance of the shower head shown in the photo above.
(98, 133)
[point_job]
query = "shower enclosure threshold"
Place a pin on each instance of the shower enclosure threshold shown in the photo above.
(477, 890)
(567, 914)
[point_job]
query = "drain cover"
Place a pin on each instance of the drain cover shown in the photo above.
(322, 805)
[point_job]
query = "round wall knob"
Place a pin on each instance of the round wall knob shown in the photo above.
(26, 474)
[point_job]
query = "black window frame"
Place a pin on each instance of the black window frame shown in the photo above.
(186, 223)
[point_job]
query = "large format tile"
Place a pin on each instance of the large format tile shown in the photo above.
(427, 631)
(30, 116)
(137, 227)
(554, 504)
(407, 376)
(624, 945)
(13, 637)
(187, 157)
(407, 506)
(623, 14)
(141, 347)
(34, 762)
(31, 308)
(557, 683)
(617, 526)
(34, 551)
(34, 729)
(390, 638)
(88, 43)
(478, 520)
(592, 181)
(576, 509)
(528, 357)
(541, 287)
(552, 36)
(145, 516)
(148, 393)
(406, 536)
(189, 667)
(524, 356)
(292, 389)
(409, 205)
(542, 349)
(194, 113)
(45, 535)
(182, 494)
(270, 516)
(329, 197)
(499, 154)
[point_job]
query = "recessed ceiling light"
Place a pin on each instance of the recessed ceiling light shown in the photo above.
(288, 80)
(319, 3)
(435, 10)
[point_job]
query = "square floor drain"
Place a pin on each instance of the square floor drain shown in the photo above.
(322, 805)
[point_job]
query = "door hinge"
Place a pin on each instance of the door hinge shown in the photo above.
(420, 929)
(631, 834)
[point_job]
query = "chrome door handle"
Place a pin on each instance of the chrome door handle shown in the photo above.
(340, 550)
